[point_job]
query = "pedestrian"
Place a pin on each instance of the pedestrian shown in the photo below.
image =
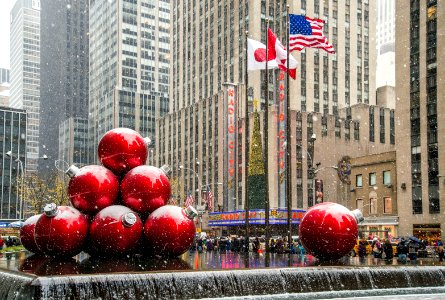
(387, 248)
(9, 242)
(272, 246)
(361, 248)
(377, 248)
(412, 250)
(440, 250)
(2, 243)
(402, 251)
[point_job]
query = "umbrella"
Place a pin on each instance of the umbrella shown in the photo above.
(16, 224)
(414, 239)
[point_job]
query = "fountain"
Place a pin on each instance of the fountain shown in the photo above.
(137, 277)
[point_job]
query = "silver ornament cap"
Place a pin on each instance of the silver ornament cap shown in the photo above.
(72, 171)
(358, 215)
(50, 210)
(129, 219)
(167, 170)
(191, 212)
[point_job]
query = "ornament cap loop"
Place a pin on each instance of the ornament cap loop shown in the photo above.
(147, 141)
(50, 210)
(167, 170)
(129, 219)
(72, 171)
(358, 215)
(191, 212)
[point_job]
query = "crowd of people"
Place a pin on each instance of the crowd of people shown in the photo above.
(9, 242)
(238, 244)
(405, 248)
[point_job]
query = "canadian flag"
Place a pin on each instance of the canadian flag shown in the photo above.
(277, 55)
(277, 50)
(256, 52)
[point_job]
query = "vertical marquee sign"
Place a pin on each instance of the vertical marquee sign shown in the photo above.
(281, 139)
(231, 165)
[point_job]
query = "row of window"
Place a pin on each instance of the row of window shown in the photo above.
(374, 205)
(372, 179)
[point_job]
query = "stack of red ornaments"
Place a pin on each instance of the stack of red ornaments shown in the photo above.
(118, 208)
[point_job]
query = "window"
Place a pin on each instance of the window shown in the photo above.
(372, 179)
(359, 203)
(359, 180)
(373, 206)
(386, 177)
(387, 205)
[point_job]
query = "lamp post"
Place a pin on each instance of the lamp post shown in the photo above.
(311, 171)
(22, 179)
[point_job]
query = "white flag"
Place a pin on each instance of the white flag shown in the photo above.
(256, 53)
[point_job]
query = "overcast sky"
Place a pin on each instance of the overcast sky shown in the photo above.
(5, 8)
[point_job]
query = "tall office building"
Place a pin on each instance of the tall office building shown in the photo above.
(129, 66)
(208, 42)
(63, 71)
(4, 75)
(385, 37)
(12, 138)
(25, 71)
(73, 141)
(419, 107)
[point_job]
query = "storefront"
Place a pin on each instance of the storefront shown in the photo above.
(428, 232)
(382, 227)
(233, 222)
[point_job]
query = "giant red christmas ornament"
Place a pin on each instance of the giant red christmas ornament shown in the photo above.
(122, 149)
(170, 230)
(115, 230)
(27, 234)
(146, 188)
(329, 230)
(61, 231)
(92, 188)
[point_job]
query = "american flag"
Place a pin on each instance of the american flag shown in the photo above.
(307, 32)
(189, 201)
(210, 200)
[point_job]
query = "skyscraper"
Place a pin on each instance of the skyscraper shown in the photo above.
(419, 132)
(129, 66)
(385, 37)
(209, 40)
(25, 71)
(12, 138)
(63, 72)
(4, 75)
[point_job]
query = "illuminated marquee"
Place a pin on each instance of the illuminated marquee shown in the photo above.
(256, 216)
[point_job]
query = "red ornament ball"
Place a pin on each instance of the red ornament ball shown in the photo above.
(170, 230)
(329, 231)
(27, 234)
(144, 189)
(61, 231)
(115, 230)
(92, 188)
(122, 149)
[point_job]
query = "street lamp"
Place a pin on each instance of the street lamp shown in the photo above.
(22, 179)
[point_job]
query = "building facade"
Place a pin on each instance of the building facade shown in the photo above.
(25, 71)
(129, 67)
(420, 115)
(385, 37)
(12, 138)
(374, 191)
(194, 142)
(63, 71)
(208, 39)
(73, 141)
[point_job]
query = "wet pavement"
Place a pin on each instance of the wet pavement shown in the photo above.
(84, 264)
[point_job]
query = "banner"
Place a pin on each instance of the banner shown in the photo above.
(318, 191)
(231, 145)
(256, 216)
(281, 138)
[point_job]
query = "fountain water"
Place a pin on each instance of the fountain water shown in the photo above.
(142, 278)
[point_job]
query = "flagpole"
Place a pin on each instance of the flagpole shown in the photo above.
(266, 142)
(288, 143)
(246, 150)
